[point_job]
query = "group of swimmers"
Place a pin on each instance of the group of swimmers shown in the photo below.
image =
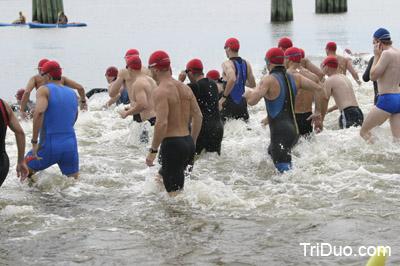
(188, 119)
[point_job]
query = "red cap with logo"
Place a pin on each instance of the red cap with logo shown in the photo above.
(52, 68)
(275, 56)
(213, 74)
(233, 43)
(112, 71)
(331, 46)
(293, 54)
(285, 43)
(159, 60)
(195, 66)
(132, 52)
(134, 62)
(331, 61)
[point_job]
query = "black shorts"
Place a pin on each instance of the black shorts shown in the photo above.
(351, 116)
(305, 126)
(210, 137)
(231, 110)
(176, 154)
(4, 167)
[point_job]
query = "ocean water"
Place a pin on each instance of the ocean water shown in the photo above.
(236, 209)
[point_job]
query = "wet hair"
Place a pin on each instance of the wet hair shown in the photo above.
(386, 42)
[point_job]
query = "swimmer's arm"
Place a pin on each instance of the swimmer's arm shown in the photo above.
(314, 69)
(162, 112)
(327, 91)
(230, 77)
(25, 98)
(379, 65)
(197, 117)
(18, 131)
(42, 101)
(352, 71)
(141, 101)
(366, 75)
(116, 85)
(81, 91)
(316, 89)
(251, 81)
(254, 96)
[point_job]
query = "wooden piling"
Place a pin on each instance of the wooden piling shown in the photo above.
(39, 10)
(50, 12)
(281, 10)
(330, 6)
(46, 11)
(34, 10)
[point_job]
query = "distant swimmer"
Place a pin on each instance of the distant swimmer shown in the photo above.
(385, 70)
(125, 79)
(286, 43)
(55, 116)
(36, 82)
(304, 98)
(237, 73)
(340, 87)
(216, 76)
(206, 92)
(8, 119)
(279, 91)
(175, 103)
(29, 107)
(142, 94)
(21, 19)
(122, 96)
(344, 63)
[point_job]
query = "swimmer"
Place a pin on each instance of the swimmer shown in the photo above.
(206, 93)
(174, 104)
(344, 63)
(142, 95)
(55, 115)
(237, 73)
(122, 96)
(216, 77)
(340, 87)
(279, 91)
(385, 70)
(8, 119)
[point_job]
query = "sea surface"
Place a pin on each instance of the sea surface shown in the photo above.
(236, 209)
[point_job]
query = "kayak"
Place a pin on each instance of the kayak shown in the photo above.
(11, 24)
(42, 25)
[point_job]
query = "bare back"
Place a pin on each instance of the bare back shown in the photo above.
(340, 87)
(389, 80)
(127, 83)
(145, 84)
(304, 98)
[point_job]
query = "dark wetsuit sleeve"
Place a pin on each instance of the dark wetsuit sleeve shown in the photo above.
(366, 74)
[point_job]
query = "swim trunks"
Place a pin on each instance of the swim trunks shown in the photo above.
(389, 103)
(177, 158)
(305, 126)
(351, 116)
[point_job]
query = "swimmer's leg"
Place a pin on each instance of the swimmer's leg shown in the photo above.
(375, 117)
(395, 126)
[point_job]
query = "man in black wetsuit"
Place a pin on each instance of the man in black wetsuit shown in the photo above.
(237, 73)
(206, 92)
(279, 91)
(8, 119)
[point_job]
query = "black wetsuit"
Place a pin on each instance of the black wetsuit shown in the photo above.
(281, 119)
(177, 158)
(366, 78)
(305, 126)
(235, 106)
(351, 116)
(4, 161)
(212, 129)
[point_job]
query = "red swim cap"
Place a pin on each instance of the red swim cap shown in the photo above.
(232, 43)
(131, 52)
(52, 68)
(285, 43)
(134, 62)
(42, 62)
(348, 51)
(112, 71)
(331, 46)
(213, 74)
(195, 66)
(293, 54)
(19, 94)
(159, 60)
(275, 56)
(303, 54)
(331, 61)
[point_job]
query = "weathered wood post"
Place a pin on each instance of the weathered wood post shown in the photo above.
(281, 10)
(46, 11)
(330, 6)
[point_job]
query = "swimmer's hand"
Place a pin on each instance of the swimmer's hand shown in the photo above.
(83, 106)
(264, 122)
(316, 122)
(124, 114)
(377, 50)
(35, 148)
(22, 170)
(182, 76)
(24, 116)
(150, 159)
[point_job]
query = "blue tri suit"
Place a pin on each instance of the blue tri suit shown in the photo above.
(57, 139)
